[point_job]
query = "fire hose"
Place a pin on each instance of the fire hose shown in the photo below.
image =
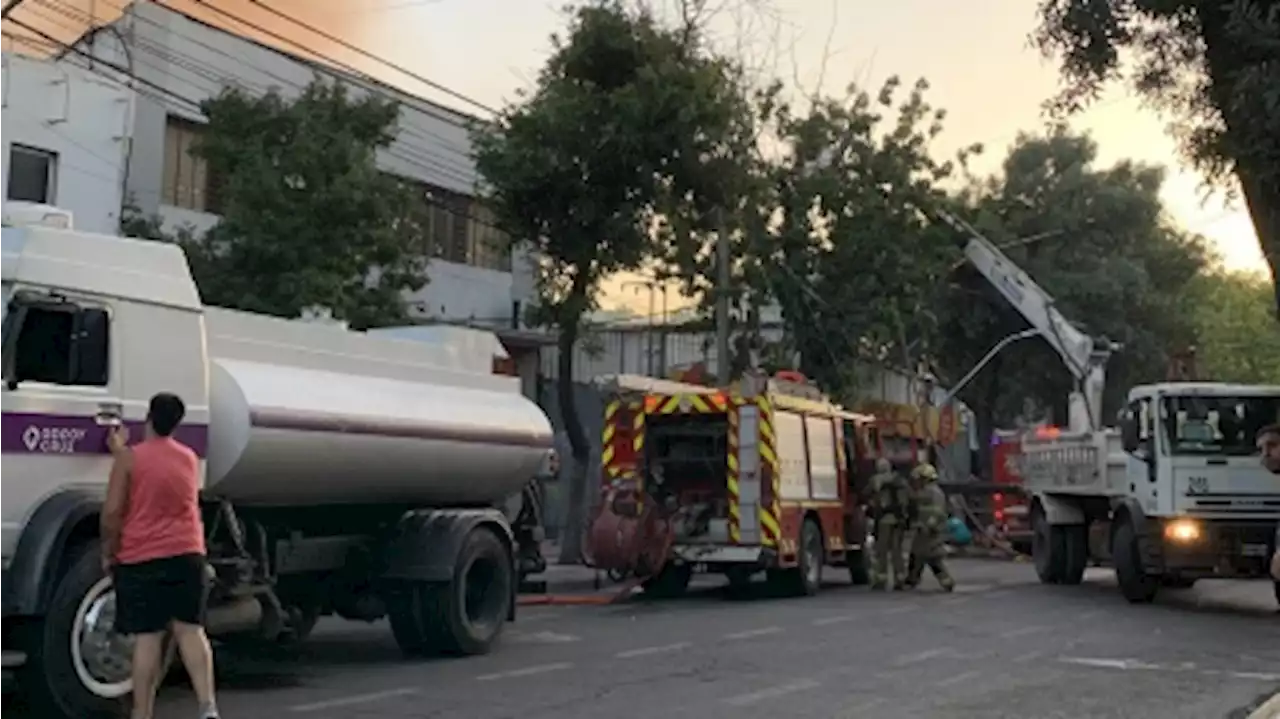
(630, 536)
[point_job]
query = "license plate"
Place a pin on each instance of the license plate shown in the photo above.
(1253, 550)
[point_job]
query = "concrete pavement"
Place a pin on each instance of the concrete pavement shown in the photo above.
(1002, 646)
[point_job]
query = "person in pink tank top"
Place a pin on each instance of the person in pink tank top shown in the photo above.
(153, 545)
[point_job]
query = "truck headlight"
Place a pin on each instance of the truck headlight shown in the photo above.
(1182, 530)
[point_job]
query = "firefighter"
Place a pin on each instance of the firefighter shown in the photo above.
(929, 528)
(890, 509)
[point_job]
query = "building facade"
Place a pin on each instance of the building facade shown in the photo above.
(177, 61)
(66, 139)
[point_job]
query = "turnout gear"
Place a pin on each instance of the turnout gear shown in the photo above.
(929, 530)
(891, 511)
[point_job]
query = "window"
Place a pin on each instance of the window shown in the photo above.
(32, 174)
(57, 342)
(456, 228)
(187, 182)
(1217, 425)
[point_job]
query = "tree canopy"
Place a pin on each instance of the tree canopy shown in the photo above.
(1213, 66)
(307, 219)
(627, 119)
(1236, 339)
(1098, 241)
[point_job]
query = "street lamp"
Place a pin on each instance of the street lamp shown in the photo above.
(990, 355)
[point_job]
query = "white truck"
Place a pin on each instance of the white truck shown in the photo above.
(1174, 495)
(1177, 493)
(344, 472)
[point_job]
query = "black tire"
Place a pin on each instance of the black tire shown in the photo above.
(1277, 586)
(56, 687)
(465, 616)
(1135, 584)
(805, 579)
(859, 573)
(1047, 552)
(673, 581)
(1074, 540)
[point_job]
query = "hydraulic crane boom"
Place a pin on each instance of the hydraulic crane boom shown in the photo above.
(1085, 357)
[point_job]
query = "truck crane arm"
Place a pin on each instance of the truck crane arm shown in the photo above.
(1084, 356)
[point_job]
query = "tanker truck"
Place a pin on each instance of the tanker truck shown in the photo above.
(346, 473)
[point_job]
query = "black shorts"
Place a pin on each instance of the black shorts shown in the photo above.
(149, 595)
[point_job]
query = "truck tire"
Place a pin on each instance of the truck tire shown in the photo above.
(61, 675)
(672, 581)
(805, 579)
(1135, 584)
(1277, 586)
(1047, 550)
(1075, 551)
(859, 574)
(464, 616)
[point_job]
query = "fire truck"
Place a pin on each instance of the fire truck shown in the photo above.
(767, 476)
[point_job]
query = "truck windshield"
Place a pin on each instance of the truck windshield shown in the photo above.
(1217, 425)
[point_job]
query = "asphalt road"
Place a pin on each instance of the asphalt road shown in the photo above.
(1001, 646)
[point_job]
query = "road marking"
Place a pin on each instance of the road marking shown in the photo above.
(1023, 631)
(646, 651)
(920, 657)
(751, 633)
(352, 700)
(828, 621)
(526, 672)
(901, 608)
(957, 679)
(1138, 665)
(519, 637)
(772, 692)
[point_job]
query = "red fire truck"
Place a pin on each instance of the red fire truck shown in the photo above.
(767, 476)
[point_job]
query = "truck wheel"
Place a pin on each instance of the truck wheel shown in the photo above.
(78, 666)
(1074, 540)
(1135, 584)
(672, 581)
(859, 574)
(1047, 551)
(1277, 585)
(464, 616)
(806, 578)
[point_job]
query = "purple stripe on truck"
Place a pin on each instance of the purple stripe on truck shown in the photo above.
(271, 418)
(30, 433)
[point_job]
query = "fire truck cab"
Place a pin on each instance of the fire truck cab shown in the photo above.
(768, 476)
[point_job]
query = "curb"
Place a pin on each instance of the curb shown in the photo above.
(1269, 709)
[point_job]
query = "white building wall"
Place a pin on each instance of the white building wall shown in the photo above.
(178, 60)
(80, 117)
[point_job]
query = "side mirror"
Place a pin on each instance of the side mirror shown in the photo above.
(1129, 438)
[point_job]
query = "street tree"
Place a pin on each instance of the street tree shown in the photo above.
(619, 128)
(1099, 242)
(852, 255)
(1212, 66)
(307, 218)
(1236, 339)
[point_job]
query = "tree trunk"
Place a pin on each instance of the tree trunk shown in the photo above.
(576, 516)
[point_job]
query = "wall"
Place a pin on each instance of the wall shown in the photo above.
(183, 61)
(85, 120)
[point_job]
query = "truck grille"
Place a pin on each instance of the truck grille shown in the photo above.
(1236, 504)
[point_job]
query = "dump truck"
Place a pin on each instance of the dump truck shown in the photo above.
(344, 472)
(768, 476)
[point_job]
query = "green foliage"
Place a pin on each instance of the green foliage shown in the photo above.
(1237, 340)
(1097, 240)
(307, 217)
(1213, 67)
(852, 256)
(626, 122)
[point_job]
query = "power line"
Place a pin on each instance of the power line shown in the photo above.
(365, 53)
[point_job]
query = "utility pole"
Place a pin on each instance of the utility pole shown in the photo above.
(723, 280)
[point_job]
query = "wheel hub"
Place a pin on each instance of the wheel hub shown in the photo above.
(102, 658)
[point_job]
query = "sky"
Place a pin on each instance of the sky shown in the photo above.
(975, 56)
